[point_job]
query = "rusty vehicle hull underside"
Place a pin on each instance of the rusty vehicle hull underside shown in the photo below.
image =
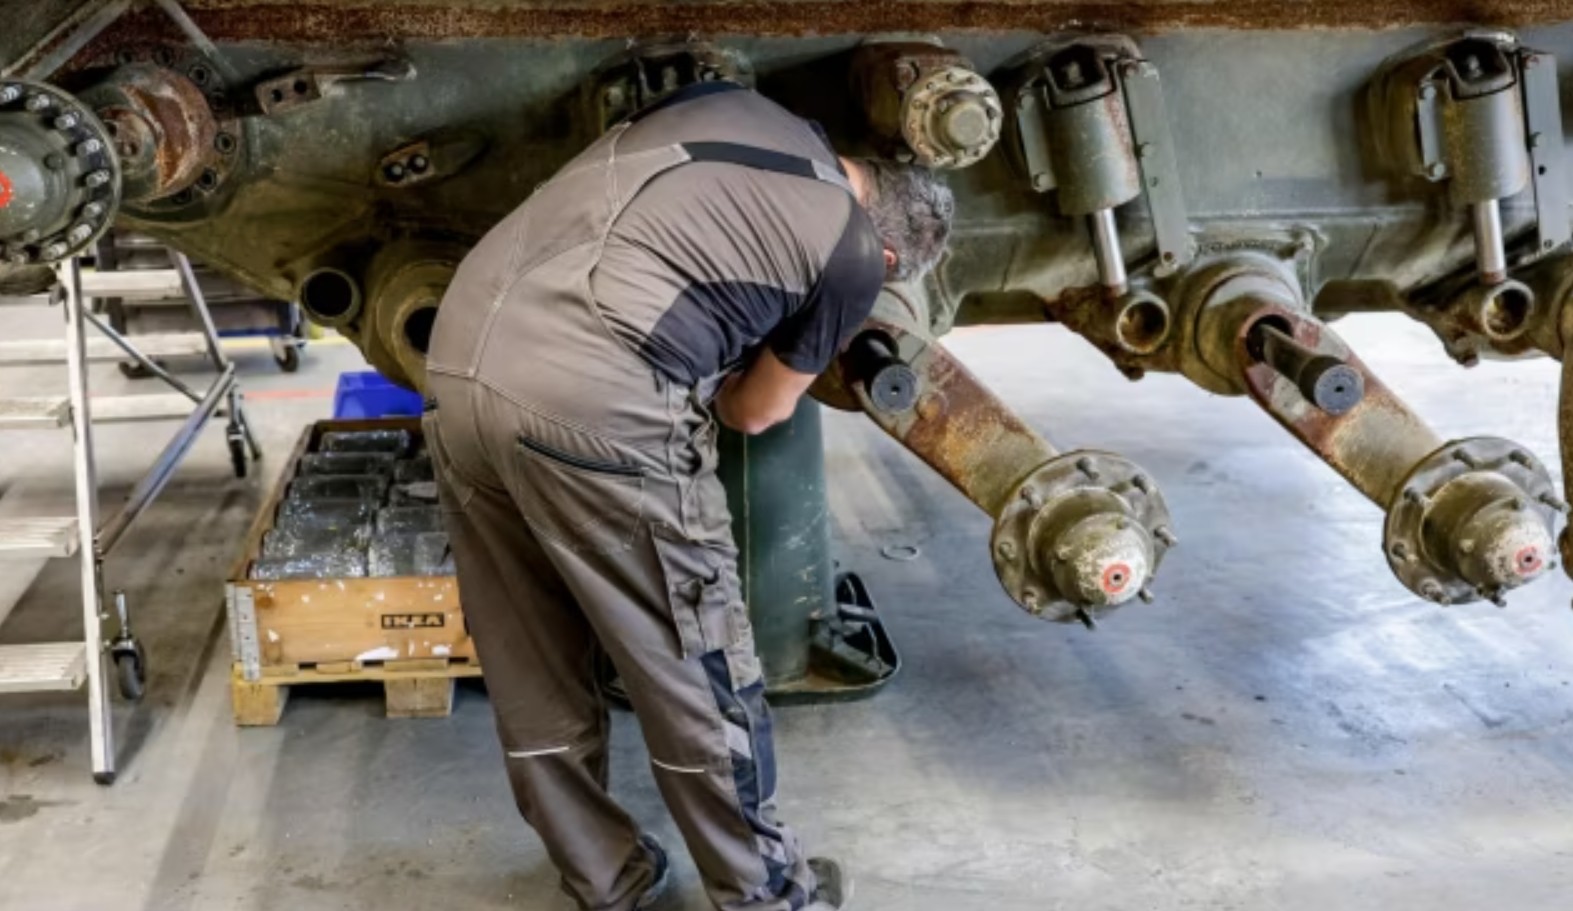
(1196, 188)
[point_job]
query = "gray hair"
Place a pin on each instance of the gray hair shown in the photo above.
(911, 209)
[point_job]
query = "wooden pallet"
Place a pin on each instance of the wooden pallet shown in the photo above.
(417, 688)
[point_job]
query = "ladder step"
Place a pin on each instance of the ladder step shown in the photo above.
(125, 409)
(49, 537)
(34, 412)
(134, 284)
(49, 412)
(47, 666)
(53, 351)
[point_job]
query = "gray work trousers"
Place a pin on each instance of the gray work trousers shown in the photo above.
(571, 542)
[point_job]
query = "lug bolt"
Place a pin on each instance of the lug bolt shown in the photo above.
(1516, 504)
(89, 147)
(1519, 457)
(18, 257)
(1031, 601)
(1495, 597)
(1141, 483)
(36, 103)
(1399, 551)
(79, 233)
(1413, 495)
(1554, 501)
(1462, 456)
(1163, 534)
(1085, 466)
(1466, 546)
(67, 120)
(1062, 554)
(1146, 595)
(9, 93)
(1431, 591)
(53, 251)
(1086, 619)
(93, 209)
(1006, 550)
(96, 178)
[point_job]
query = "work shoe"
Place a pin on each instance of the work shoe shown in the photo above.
(663, 871)
(834, 890)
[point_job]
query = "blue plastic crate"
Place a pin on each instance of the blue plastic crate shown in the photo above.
(369, 394)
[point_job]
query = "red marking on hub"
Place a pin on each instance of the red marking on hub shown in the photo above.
(1527, 561)
(1116, 577)
(6, 191)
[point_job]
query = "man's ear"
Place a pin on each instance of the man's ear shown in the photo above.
(890, 259)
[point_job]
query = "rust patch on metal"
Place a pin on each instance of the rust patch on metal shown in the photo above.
(1374, 445)
(959, 427)
(326, 22)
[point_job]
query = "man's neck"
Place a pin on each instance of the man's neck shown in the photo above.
(857, 176)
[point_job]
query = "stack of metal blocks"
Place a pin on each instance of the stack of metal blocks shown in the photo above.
(364, 503)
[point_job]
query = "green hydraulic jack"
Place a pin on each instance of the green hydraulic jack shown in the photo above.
(817, 632)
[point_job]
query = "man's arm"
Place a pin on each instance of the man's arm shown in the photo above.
(762, 396)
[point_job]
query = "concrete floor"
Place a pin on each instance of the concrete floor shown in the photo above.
(1287, 728)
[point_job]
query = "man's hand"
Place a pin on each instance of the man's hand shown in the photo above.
(762, 396)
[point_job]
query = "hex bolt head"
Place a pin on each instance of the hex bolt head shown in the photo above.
(1162, 533)
(93, 209)
(1399, 551)
(1517, 504)
(1519, 457)
(1494, 596)
(1414, 496)
(1555, 502)
(40, 102)
(1006, 550)
(53, 251)
(1032, 601)
(1141, 483)
(1430, 590)
(67, 120)
(1085, 466)
(1033, 498)
(1463, 457)
(96, 178)
(1146, 595)
(79, 232)
(89, 147)
(9, 93)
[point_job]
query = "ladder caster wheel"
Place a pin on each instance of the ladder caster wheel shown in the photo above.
(131, 676)
(104, 778)
(131, 370)
(130, 670)
(237, 455)
(289, 360)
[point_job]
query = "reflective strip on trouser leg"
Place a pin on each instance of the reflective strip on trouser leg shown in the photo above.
(750, 740)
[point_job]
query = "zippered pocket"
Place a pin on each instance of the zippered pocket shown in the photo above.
(578, 502)
(583, 463)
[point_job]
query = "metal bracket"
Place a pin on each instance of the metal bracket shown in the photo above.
(1149, 120)
(303, 86)
(1543, 123)
(243, 620)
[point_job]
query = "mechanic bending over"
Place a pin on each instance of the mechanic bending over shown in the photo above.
(709, 253)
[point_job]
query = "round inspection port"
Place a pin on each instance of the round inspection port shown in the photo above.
(1143, 325)
(1505, 314)
(418, 326)
(330, 296)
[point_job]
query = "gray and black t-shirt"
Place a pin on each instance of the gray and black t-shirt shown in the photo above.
(733, 257)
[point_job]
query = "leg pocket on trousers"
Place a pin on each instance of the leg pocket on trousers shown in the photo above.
(578, 502)
(707, 616)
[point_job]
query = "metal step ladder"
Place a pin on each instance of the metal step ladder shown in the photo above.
(67, 665)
